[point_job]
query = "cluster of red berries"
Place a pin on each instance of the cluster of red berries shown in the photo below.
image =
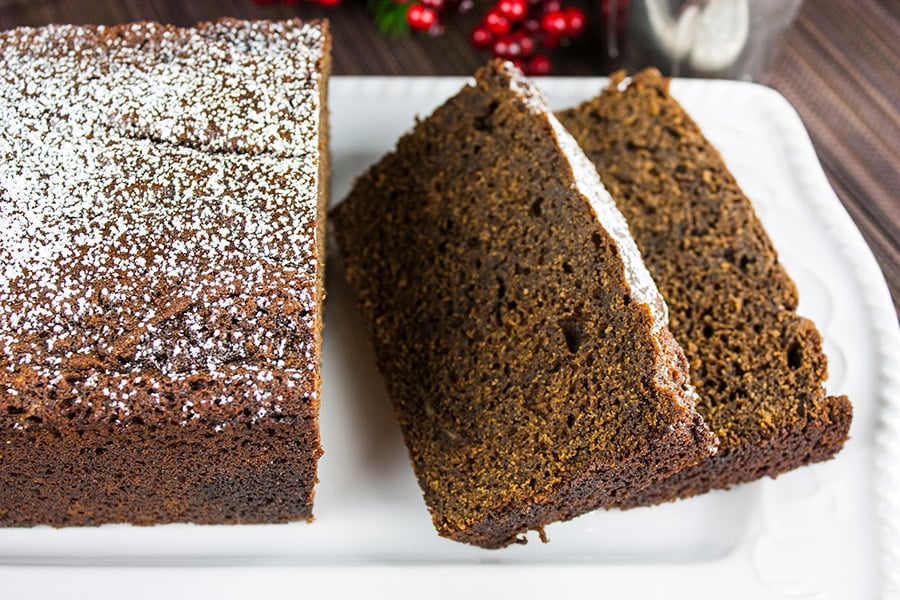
(429, 15)
(521, 31)
(518, 29)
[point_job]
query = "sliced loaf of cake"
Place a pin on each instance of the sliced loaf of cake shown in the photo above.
(162, 193)
(757, 365)
(524, 345)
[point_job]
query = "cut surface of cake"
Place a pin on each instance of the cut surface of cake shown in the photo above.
(161, 254)
(523, 344)
(758, 366)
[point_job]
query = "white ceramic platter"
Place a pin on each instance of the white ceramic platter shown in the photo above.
(826, 531)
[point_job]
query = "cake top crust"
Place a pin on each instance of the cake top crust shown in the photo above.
(158, 200)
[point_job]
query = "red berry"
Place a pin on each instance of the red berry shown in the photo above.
(550, 41)
(515, 48)
(539, 65)
(481, 37)
(554, 23)
(526, 44)
(531, 25)
(420, 18)
(507, 46)
(496, 23)
(501, 47)
(574, 21)
(437, 5)
(514, 10)
(326, 2)
(518, 64)
(550, 6)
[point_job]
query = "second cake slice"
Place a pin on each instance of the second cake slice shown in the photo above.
(758, 365)
(524, 345)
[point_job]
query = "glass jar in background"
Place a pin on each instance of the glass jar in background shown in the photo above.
(731, 39)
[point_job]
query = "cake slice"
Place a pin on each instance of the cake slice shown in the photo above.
(523, 343)
(161, 253)
(758, 367)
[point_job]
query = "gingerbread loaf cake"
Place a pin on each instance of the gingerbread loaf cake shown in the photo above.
(758, 367)
(161, 253)
(523, 344)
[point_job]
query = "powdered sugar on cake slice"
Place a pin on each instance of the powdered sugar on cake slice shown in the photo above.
(588, 184)
(158, 200)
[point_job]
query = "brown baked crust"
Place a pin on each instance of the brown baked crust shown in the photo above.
(160, 319)
(757, 366)
(65, 464)
(530, 383)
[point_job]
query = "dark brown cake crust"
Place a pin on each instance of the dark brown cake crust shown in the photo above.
(757, 366)
(160, 315)
(530, 380)
(65, 464)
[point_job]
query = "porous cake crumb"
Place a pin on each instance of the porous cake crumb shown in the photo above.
(524, 346)
(758, 366)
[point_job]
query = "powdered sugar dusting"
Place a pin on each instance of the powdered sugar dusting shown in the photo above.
(589, 185)
(158, 202)
(525, 88)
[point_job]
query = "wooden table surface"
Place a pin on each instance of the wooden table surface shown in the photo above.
(839, 65)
